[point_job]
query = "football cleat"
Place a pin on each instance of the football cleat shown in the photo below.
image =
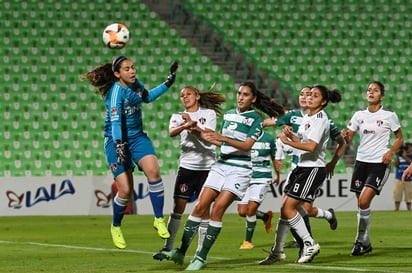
(246, 245)
(333, 222)
(359, 249)
(273, 257)
(309, 252)
(175, 255)
(268, 222)
(197, 263)
(160, 225)
(117, 236)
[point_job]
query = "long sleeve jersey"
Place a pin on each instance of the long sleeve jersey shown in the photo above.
(123, 109)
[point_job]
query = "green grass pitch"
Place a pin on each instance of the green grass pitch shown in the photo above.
(83, 244)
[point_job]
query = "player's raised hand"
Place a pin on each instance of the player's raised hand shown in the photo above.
(172, 75)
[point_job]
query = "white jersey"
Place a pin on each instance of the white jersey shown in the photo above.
(374, 131)
(196, 153)
(282, 149)
(314, 128)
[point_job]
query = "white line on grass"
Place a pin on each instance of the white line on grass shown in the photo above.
(78, 247)
(217, 258)
(345, 268)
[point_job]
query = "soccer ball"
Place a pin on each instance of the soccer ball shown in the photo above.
(116, 36)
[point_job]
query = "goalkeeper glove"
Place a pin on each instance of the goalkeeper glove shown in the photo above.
(172, 75)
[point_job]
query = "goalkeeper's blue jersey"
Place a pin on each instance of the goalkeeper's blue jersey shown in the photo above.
(123, 109)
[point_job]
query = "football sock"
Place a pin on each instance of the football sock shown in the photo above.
(297, 238)
(202, 233)
(282, 230)
(298, 225)
(156, 194)
(212, 232)
(250, 227)
(173, 225)
(302, 211)
(364, 216)
(324, 214)
(119, 207)
(261, 215)
(191, 228)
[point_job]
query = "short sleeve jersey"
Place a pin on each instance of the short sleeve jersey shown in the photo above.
(196, 153)
(282, 149)
(239, 126)
(294, 118)
(263, 150)
(314, 128)
(374, 130)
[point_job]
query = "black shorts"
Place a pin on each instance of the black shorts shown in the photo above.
(304, 183)
(189, 183)
(373, 175)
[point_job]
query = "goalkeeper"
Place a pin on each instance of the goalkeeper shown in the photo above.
(125, 142)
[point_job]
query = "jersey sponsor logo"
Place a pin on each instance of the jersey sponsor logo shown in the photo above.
(248, 121)
(366, 132)
(129, 110)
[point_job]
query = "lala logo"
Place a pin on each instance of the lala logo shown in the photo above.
(103, 200)
(42, 194)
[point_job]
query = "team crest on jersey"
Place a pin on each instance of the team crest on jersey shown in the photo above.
(307, 126)
(113, 111)
(113, 167)
(379, 123)
(357, 183)
(202, 120)
(254, 154)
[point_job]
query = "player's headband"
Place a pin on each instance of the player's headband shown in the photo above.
(117, 62)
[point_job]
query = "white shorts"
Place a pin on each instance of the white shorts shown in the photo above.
(230, 178)
(256, 193)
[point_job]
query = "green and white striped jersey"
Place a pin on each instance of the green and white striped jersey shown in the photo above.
(262, 153)
(239, 126)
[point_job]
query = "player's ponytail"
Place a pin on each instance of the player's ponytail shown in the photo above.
(328, 95)
(265, 103)
(101, 77)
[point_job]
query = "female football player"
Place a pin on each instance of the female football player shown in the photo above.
(372, 165)
(229, 177)
(196, 155)
(125, 141)
(306, 178)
